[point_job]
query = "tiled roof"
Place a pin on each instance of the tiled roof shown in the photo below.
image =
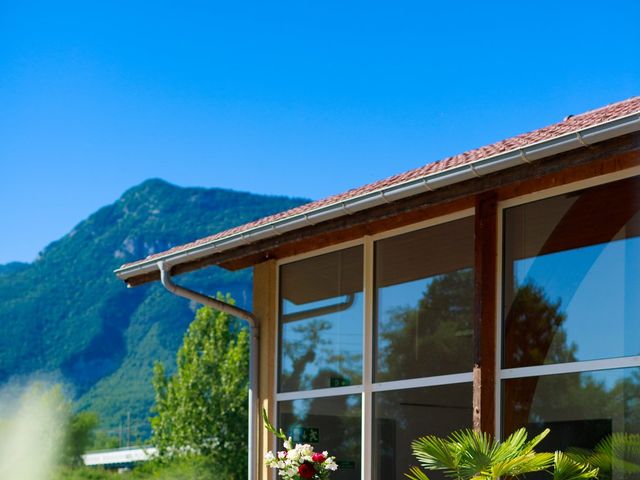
(571, 124)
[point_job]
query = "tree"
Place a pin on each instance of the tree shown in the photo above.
(79, 435)
(202, 408)
(435, 334)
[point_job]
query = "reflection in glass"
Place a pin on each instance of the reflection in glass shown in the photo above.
(321, 315)
(404, 415)
(424, 302)
(572, 277)
(580, 408)
(332, 424)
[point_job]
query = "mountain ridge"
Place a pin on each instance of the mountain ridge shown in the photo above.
(67, 316)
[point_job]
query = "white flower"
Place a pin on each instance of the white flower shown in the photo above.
(287, 462)
(332, 466)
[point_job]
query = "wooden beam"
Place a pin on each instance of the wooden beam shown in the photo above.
(264, 307)
(484, 321)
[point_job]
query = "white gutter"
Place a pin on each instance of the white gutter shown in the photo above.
(530, 153)
(252, 320)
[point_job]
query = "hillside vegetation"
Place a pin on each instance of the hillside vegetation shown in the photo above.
(68, 318)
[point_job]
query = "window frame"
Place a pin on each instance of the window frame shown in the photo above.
(584, 366)
(367, 388)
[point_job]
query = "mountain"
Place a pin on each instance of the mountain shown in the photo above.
(67, 317)
(13, 267)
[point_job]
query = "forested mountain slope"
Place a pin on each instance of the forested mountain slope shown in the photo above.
(68, 318)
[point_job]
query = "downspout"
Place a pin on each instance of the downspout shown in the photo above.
(252, 320)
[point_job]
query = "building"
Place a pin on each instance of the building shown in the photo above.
(497, 288)
(119, 458)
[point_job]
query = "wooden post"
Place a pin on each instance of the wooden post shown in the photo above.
(264, 306)
(484, 322)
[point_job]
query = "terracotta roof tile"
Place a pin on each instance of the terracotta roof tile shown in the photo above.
(571, 124)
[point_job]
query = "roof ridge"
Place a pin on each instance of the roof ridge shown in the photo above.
(608, 106)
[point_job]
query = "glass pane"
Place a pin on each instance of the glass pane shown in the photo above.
(402, 416)
(581, 409)
(321, 316)
(332, 424)
(424, 302)
(572, 277)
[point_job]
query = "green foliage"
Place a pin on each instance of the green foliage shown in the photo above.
(202, 408)
(279, 433)
(103, 441)
(471, 455)
(78, 436)
(67, 314)
(443, 342)
(193, 467)
(567, 468)
(615, 455)
(85, 473)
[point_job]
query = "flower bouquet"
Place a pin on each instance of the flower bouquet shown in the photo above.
(298, 462)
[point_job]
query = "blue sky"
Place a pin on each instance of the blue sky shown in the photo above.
(298, 98)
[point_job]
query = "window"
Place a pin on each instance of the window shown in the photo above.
(424, 302)
(423, 325)
(331, 423)
(321, 321)
(404, 367)
(571, 314)
(401, 416)
(376, 340)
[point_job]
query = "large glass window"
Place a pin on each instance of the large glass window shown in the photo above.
(580, 409)
(420, 285)
(402, 416)
(321, 316)
(571, 318)
(572, 277)
(424, 302)
(333, 424)
(570, 332)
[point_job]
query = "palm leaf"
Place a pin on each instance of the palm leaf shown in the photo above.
(565, 468)
(435, 453)
(510, 447)
(531, 462)
(416, 474)
(535, 440)
(619, 452)
(474, 452)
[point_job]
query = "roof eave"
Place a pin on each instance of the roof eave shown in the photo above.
(527, 154)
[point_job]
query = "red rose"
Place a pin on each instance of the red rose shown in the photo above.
(318, 457)
(306, 470)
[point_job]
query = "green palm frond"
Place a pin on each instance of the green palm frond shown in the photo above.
(416, 474)
(514, 443)
(530, 462)
(618, 452)
(533, 443)
(435, 453)
(474, 451)
(468, 454)
(566, 468)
